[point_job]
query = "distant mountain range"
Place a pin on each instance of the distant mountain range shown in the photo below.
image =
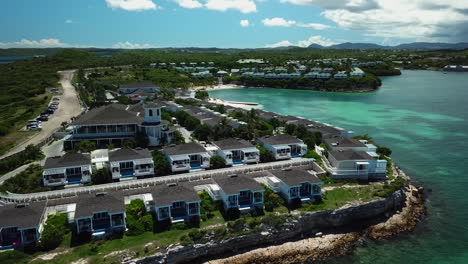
(408, 46)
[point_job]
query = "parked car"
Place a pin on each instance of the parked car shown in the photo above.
(56, 99)
(43, 117)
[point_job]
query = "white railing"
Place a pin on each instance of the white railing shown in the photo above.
(336, 171)
(142, 183)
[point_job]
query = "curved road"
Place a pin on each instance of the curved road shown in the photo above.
(69, 107)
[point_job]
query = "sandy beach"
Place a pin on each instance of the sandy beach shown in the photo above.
(245, 105)
(216, 87)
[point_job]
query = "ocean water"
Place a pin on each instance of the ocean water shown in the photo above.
(423, 117)
(10, 59)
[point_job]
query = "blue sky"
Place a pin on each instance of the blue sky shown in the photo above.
(228, 23)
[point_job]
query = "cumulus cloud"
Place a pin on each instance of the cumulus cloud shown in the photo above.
(278, 22)
(420, 20)
(43, 43)
(303, 43)
(281, 22)
(132, 5)
(188, 3)
(244, 6)
(129, 45)
(244, 23)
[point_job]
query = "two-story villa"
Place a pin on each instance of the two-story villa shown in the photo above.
(131, 163)
(351, 164)
(69, 169)
(112, 124)
(176, 203)
(240, 192)
(237, 151)
(295, 184)
(284, 146)
(20, 224)
(188, 156)
(100, 214)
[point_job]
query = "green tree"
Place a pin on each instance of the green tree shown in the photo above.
(202, 95)
(101, 176)
(55, 229)
(217, 162)
(203, 132)
(129, 143)
(161, 163)
(86, 146)
(178, 138)
(138, 220)
(141, 140)
(384, 151)
(272, 200)
(265, 155)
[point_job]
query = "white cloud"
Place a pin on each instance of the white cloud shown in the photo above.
(189, 3)
(244, 6)
(244, 23)
(278, 22)
(132, 5)
(303, 43)
(43, 43)
(420, 20)
(315, 26)
(129, 45)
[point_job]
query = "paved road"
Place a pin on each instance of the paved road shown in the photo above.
(69, 107)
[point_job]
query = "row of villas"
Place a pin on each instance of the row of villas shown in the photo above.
(101, 214)
(357, 73)
(163, 65)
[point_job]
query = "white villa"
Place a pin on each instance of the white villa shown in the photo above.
(284, 146)
(131, 163)
(68, 169)
(175, 203)
(240, 192)
(186, 157)
(237, 151)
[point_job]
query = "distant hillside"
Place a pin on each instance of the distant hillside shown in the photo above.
(408, 46)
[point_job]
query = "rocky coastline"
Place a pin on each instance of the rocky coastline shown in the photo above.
(310, 237)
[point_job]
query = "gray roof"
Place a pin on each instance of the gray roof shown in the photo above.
(187, 148)
(232, 143)
(22, 217)
(350, 154)
(280, 139)
(129, 154)
(294, 177)
(139, 85)
(234, 184)
(153, 104)
(343, 142)
(88, 204)
(164, 195)
(109, 114)
(67, 160)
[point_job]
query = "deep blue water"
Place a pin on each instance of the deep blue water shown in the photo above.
(10, 59)
(422, 116)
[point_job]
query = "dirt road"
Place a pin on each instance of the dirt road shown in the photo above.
(69, 107)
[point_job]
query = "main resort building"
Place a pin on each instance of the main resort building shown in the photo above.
(113, 124)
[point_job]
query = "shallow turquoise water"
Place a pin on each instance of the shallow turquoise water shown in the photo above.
(422, 116)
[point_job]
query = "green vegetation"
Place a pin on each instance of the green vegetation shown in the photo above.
(382, 70)
(272, 200)
(217, 162)
(101, 176)
(28, 181)
(202, 95)
(55, 228)
(31, 153)
(311, 154)
(265, 155)
(137, 219)
(161, 163)
(85, 146)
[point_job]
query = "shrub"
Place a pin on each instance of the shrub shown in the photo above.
(217, 162)
(274, 221)
(265, 155)
(271, 199)
(101, 176)
(384, 151)
(207, 206)
(312, 154)
(138, 220)
(134, 226)
(237, 225)
(86, 146)
(161, 163)
(12, 162)
(202, 95)
(55, 229)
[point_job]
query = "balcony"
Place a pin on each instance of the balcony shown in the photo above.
(178, 213)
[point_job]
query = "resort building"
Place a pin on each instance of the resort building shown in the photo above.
(311, 75)
(112, 124)
(295, 184)
(202, 74)
(343, 143)
(176, 203)
(237, 151)
(340, 76)
(284, 146)
(130, 88)
(323, 76)
(240, 192)
(20, 224)
(351, 164)
(221, 73)
(131, 163)
(186, 157)
(357, 72)
(72, 168)
(100, 214)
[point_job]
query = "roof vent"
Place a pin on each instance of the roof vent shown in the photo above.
(172, 184)
(232, 175)
(100, 194)
(21, 205)
(286, 169)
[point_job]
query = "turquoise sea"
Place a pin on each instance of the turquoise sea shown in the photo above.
(423, 117)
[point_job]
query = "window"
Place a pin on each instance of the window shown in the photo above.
(150, 112)
(126, 165)
(73, 171)
(232, 201)
(100, 215)
(193, 209)
(178, 204)
(258, 197)
(293, 192)
(163, 213)
(84, 225)
(157, 112)
(316, 188)
(117, 220)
